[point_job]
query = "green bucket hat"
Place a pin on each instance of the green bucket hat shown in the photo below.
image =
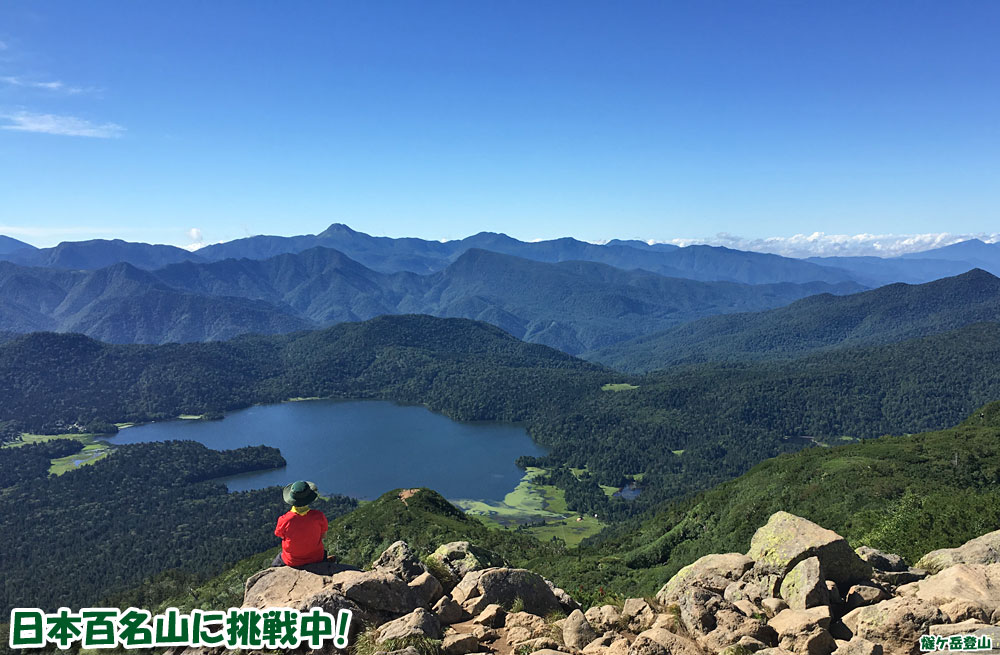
(300, 493)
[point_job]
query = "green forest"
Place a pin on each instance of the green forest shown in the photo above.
(684, 429)
(97, 531)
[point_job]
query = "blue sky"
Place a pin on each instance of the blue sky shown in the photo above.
(658, 120)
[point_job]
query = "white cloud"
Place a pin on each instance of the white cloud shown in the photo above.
(24, 121)
(54, 85)
(820, 244)
(197, 240)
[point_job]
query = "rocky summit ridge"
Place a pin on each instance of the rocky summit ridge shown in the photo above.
(799, 590)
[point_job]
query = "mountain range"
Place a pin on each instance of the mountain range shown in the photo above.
(390, 255)
(890, 313)
(574, 305)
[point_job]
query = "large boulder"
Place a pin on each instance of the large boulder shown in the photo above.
(283, 587)
(576, 631)
(459, 644)
(448, 611)
(398, 559)
(859, 646)
(503, 586)
(974, 583)
(711, 572)
(427, 588)
(603, 618)
(897, 624)
(697, 609)
(657, 641)
(378, 591)
(981, 550)
(804, 586)
(418, 623)
(461, 557)
(804, 632)
(786, 539)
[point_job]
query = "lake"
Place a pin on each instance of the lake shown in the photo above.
(361, 448)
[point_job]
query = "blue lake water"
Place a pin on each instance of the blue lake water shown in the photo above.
(361, 448)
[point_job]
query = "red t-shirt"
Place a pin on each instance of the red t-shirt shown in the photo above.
(301, 537)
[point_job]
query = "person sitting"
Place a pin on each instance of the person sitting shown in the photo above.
(301, 529)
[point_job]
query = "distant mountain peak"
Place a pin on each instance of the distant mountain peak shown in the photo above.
(338, 229)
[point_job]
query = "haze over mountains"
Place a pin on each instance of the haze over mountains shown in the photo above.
(572, 295)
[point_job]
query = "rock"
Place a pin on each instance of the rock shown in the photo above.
(427, 588)
(535, 625)
(599, 644)
(754, 586)
(282, 587)
(841, 632)
(859, 646)
(301, 590)
(639, 614)
(459, 645)
(711, 572)
(804, 632)
(804, 586)
(548, 651)
(566, 601)
(963, 628)
(492, 616)
(483, 633)
(603, 618)
(658, 641)
(503, 586)
(698, 608)
(774, 651)
(833, 593)
(896, 578)
(773, 605)
(517, 635)
(976, 583)
(731, 626)
(539, 645)
(577, 633)
(896, 623)
(747, 608)
(401, 561)
(461, 557)
(409, 650)
(787, 539)
(879, 560)
(751, 644)
(861, 595)
(963, 610)
(981, 550)
(377, 591)
(418, 623)
(448, 611)
(619, 646)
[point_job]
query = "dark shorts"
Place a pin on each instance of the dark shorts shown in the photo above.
(280, 562)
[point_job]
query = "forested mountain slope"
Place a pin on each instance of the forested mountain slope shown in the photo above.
(884, 315)
(573, 306)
